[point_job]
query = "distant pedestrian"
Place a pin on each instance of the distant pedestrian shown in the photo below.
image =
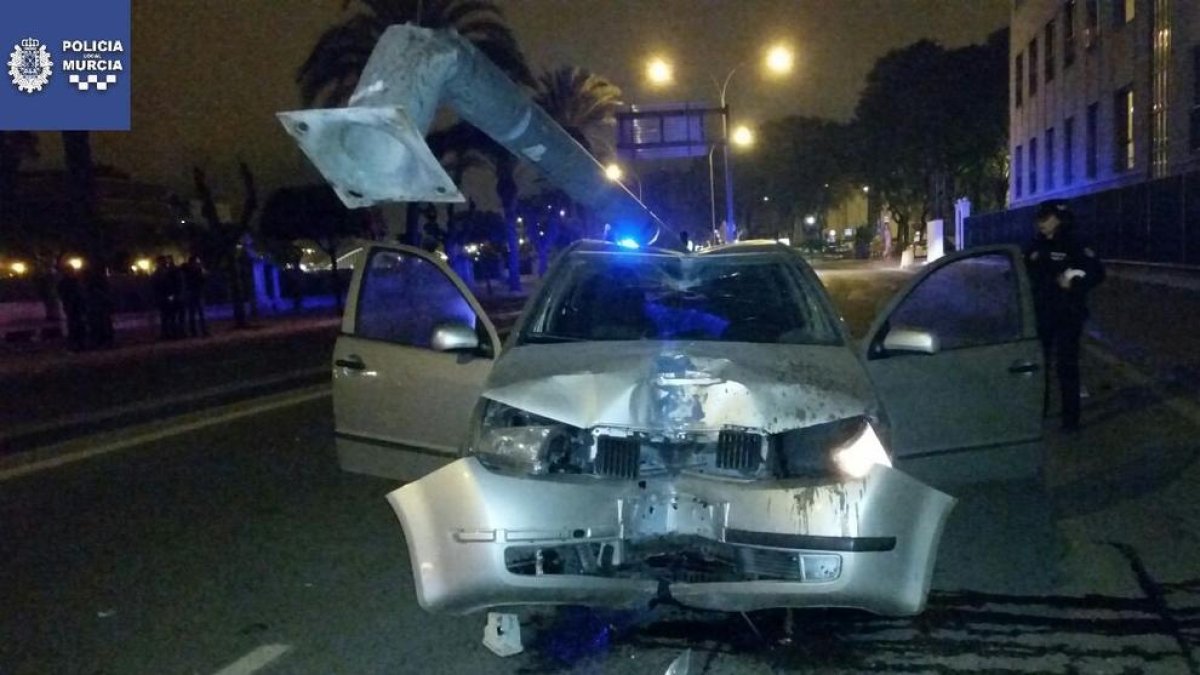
(70, 293)
(99, 307)
(1062, 271)
(194, 280)
(685, 241)
(168, 291)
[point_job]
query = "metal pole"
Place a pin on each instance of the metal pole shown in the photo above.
(712, 190)
(730, 225)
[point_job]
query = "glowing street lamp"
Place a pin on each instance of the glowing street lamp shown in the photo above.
(142, 264)
(810, 220)
(742, 136)
(780, 60)
(659, 71)
(75, 263)
(19, 268)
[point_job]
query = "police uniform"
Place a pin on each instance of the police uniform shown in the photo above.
(1061, 312)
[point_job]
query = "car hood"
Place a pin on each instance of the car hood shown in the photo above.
(683, 386)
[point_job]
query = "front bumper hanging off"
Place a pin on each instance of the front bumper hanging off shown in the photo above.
(479, 539)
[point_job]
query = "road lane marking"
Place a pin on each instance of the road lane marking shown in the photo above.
(273, 403)
(149, 405)
(256, 660)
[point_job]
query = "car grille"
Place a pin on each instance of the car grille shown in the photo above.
(739, 450)
(617, 457)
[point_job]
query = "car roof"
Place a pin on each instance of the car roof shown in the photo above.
(751, 246)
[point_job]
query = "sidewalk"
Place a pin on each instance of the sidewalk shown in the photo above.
(48, 394)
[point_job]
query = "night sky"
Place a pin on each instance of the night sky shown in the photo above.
(208, 75)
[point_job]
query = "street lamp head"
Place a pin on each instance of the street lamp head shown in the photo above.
(613, 172)
(659, 71)
(780, 59)
(810, 220)
(742, 136)
(866, 188)
(766, 198)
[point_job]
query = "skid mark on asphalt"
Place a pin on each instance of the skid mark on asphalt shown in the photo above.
(959, 632)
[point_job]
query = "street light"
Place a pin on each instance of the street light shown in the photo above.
(19, 268)
(780, 59)
(659, 71)
(616, 174)
(76, 263)
(810, 220)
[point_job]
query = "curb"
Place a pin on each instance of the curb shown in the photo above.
(25, 438)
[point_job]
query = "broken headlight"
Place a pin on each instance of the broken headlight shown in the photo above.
(849, 447)
(864, 451)
(511, 440)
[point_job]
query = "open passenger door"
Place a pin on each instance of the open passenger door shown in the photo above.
(414, 351)
(957, 363)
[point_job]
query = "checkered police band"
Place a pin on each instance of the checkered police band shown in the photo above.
(92, 81)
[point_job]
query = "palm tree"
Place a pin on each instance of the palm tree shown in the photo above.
(583, 103)
(331, 71)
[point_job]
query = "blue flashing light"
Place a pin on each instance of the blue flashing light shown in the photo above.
(628, 242)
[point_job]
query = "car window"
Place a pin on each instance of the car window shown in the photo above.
(403, 297)
(635, 296)
(968, 303)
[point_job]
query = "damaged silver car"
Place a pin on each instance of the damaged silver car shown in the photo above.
(693, 427)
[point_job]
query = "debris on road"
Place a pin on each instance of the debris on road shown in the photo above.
(502, 634)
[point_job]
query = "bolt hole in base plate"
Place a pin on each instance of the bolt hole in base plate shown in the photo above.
(371, 155)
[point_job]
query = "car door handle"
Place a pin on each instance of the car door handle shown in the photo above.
(353, 362)
(1023, 368)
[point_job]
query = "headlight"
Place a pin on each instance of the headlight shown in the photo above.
(512, 440)
(864, 451)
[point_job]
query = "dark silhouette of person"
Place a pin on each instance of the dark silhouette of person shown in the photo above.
(70, 292)
(685, 241)
(1062, 271)
(194, 280)
(99, 307)
(168, 287)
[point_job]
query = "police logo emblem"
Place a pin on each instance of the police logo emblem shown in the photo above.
(29, 65)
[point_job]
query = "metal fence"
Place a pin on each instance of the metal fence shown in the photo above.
(1155, 222)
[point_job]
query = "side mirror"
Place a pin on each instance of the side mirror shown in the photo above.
(911, 340)
(454, 337)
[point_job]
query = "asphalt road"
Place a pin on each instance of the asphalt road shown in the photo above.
(229, 542)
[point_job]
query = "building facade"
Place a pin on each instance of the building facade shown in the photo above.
(1103, 94)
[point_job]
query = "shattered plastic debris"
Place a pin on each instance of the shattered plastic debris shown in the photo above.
(502, 634)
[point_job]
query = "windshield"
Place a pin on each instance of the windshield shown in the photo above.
(646, 296)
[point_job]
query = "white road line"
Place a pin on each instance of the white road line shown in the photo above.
(275, 403)
(256, 660)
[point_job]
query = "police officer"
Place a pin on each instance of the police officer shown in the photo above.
(1062, 271)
